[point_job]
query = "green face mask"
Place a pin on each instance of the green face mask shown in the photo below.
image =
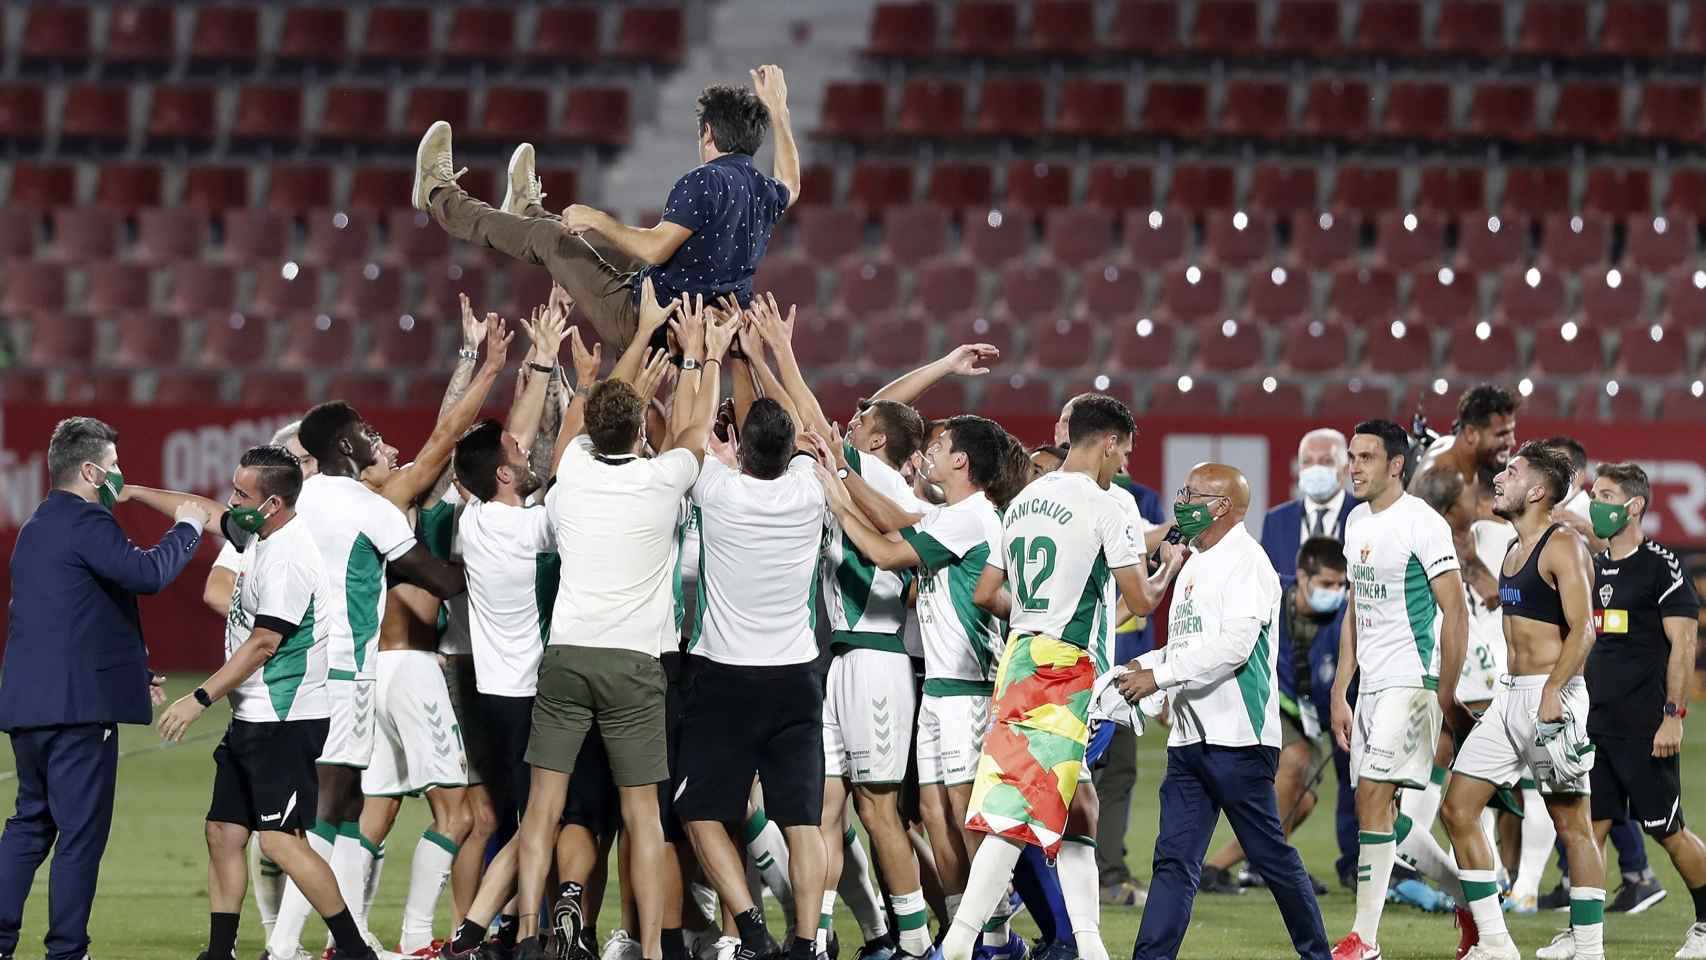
(1192, 518)
(109, 488)
(1608, 519)
(250, 519)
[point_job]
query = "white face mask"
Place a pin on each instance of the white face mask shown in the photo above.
(1317, 482)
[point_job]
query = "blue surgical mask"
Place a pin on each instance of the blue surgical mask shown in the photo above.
(1317, 482)
(1323, 600)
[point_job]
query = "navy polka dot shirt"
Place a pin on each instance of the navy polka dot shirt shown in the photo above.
(731, 209)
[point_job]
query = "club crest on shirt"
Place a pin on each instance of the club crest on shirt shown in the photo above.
(1367, 549)
(1605, 595)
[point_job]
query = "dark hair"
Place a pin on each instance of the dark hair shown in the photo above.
(1059, 453)
(1479, 405)
(1441, 489)
(279, 472)
(615, 415)
(1321, 552)
(76, 441)
(323, 426)
(766, 439)
(1572, 448)
(737, 119)
(985, 445)
(1015, 473)
(1553, 466)
(479, 454)
(1094, 414)
(1392, 437)
(1630, 478)
(900, 424)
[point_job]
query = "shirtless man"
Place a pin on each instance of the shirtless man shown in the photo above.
(1479, 446)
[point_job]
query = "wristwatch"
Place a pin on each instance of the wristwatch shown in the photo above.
(841, 473)
(689, 363)
(202, 698)
(1672, 710)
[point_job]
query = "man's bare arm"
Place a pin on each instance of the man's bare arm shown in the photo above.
(962, 361)
(1566, 558)
(408, 486)
(574, 417)
(990, 596)
(772, 90)
(778, 334)
(1142, 594)
(545, 330)
(216, 593)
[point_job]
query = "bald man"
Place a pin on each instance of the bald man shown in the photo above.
(1223, 751)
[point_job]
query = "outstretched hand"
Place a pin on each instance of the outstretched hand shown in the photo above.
(586, 361)
(771, 86)
(652, 313)
(473, 328)
(498, 337)
(777, 332)
(652, 376)
(963, 360)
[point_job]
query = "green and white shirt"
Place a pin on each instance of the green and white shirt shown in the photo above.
(1061, 540)
(866, 604)
(510, 555)
(1394, 556)
(962, 643)
(282, 585)
(435, 527)
(358, 533)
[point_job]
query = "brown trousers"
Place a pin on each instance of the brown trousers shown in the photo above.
(602, 291)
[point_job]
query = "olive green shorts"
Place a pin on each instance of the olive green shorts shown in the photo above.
(622, 691)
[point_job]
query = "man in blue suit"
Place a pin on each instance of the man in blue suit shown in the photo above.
(75, 666)
(1323, 462)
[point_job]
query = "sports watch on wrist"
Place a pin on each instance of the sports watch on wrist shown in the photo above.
(688, 363)
(1672, 710)
(202, 698)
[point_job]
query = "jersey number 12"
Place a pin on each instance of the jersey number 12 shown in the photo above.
(1039, 548)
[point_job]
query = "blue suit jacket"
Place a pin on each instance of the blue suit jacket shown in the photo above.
(74, 651)
(1282, 531)
(1323, 658)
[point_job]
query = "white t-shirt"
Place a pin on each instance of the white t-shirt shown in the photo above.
(436, 527)
(615, 521)
(1394, 556)
(508, 552)
(962, 643)
(358, 533)
(758, 550)
(282, 585)
(866, 604)
(1061, 540)
(1222, 635)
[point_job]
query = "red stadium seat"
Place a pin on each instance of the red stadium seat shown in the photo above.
(1502, 111)
(1075, 236)
(1530, 297)
(599, 115)
(830, 233)
(868, 287)
(983, 28)
(1016, 395)
(128, 187)
(275, 390)
(1174, 109)
(317, 341)
(1315, 347)
(1365, 190)
(1568, 349)
(1109, 292)
(1142, 344)
(289, 288)
(1257, 109)
(1546, 402)
(22, 116)
(993, 237)
(268, 115)
(1619, 191)
(1277, 297)
(81, 234)
(960, 184)
(61, 340)
(166, 235)
(1417, 111)
(1685, 298)
(201, 288)
(1354, 400)
(1608, 300)
(20, 233)
(187, 388)
(376, 189)
(357, 115)
(369, 390)
(564, 35)
(96, 115)
(1589, 111)
(1687, 192)
(1062, 28)
(55, 33)
(1038, 185)
(481, 35)
(826, 341)
(255, 235)
(1443, 297)
(1143, 27)
(24, 386)
(947, 287)
(445, 284)
(854, 111)
(1184, 301)
(111, 288)
(1284, 190)
(97, 387)
(141, 36)
(1168, 397)
(1010, 106)
(904, 30)
(651, 35)
(915, 233)
(1032, 289)
(369, 291)
(150, 341)
(1120, 186)
(1671, 112)
(1226, 26)
(1575, 242)
(1480, 349)
(1407, 241)
(412, 237)
(42, 185)
(401, 35)
(1056, 342)
(427, 104)
(1388, 27)
(1473, 28)
(1452, 190)
(216, 189)
(226, 35)
(313, 35)
(296, 187)
(513, 113)
(1091, 108)
(1537, 190)
(1306, 27)
(1204, 188)
(1658, 244)
(1558, 29)
(932, 109)
(1337, 108)
(893, 342)
(1323, 241)
(1238, 239)
(842, 392)
(526, 287)
(1649, 350)
(1680, 405)
(233, 340)
(1250, 399)
(1156, 239)
(1635, 28)
(182, 115)
(792, 281)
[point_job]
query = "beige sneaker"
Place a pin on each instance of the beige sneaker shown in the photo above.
(522, 190)
(433, 166)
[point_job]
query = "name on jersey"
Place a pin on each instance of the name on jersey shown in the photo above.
(1611, 621)
(1043, 508)
(1368, 582)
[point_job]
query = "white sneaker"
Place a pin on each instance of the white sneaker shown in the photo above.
(1481, 951)
(522, 188)
(1562, 947)
(433, 166)
(620, 946)
(726, 947)
(1694, 945)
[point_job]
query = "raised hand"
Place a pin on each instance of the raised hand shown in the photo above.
(652, 313)
(771, 86)
(498, 337)
(560, 301)
(473, 329)
(653, 374)
(586, 361)
(777, 331)
(549, 329)
(723, 450)
(964, 359)
(718, 335)
(689, 325)
(751, 339)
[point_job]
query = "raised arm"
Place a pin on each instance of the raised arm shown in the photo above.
(409, 485)
(880, 550)
(777, 332)
(1142, 594)
(545, 330)
(699, 391)
(104, 548)
(961, 361)
(772, 91)
(170, 502)
(574, 418)
(467, 358)
(421, 568)
(652, 315)
(1566, 558)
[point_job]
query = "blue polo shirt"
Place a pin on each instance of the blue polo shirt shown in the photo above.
(731, 209)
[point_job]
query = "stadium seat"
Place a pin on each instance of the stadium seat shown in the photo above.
(602, 116)
(20, 233)
(198, 288)
(1658, 244)
(168, 234)
(1478, 348)
(1142, 344)
(1353, 400)
(373, 390)
(1142, 27)
(1680, 405)
(111, 288)
(226, 36)
(1575, 242)
(96, 387)
(42, 185)
(146, 340)
(1035, 185)
(1439, 298)
(1169, 397)
(993, 237)
(1408, 241)
(1237, 239)
(411, 237)
(141, 36)
(287, 288)
(1156, 239)
(1591, 112)
(1315, 347)
(1016, 395)
(294, 187)
(829, 234)
(958, 184)
(1062, 28)
(1558, 29)
(1365, 190)
(512, 114)
(214, 190)
(1277, 297)
(1491, 242)
(932, 109)
(187, 388)
(254, 235)
(128, 187)
(1687, 192)
(317, 341)
(1537, 190)
(1190, 294)
(1030, 290)
(651, 35)
(1323, 241)
(1546, 402)
(95, 115)
(1108, 293)
(1199, 188)
(1452, 189)
(1619, 191)
(1252, 399)
(1257, 109)
(1091, 109)
(426, 390)
(903, 30)
(1568, 349)
(361, 115)
(1306, 28)
(1120, 186)
(182, 115)
(1685, 298)
(22, 113)
(1388, 28)
(1284, 189)
(1174, 109)
(313, 35)
(1473, 28)
(273, 389)
(1635, 28)
(397, 35)
(1226, 26)
(983, 28)
(58, 339)
(826, 342)
(55, 33)
(1074, 236)
(81, 234)
(1529, 297)
(1417, 111)
(481, 35)
(525, 287)
(1610, 300)
(1501, 111)
(370, 292)
(839, 393)
(854, 111)
(792, 281)
(868, 286)
(1650, 350)
(444, 284)
(268, 115)
(24, 386)
(1056, 342)
(1010, 106)
(915, 233)
(561, 35)
(1337, 108)
(947, 288)
(375, 189)
(1671, 112)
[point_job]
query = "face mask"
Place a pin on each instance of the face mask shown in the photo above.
(239, 535)
(1192, 518)
(1324, 600)
(1318, 482)
(107, 490)
(248, 518)
(1608, 519)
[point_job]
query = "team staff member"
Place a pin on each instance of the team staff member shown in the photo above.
(75, 666)
(1637, 674)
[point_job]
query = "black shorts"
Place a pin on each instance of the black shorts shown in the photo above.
(592, 802)
(265, 776)
(742, 721)
(498, 749)
(1628, 781)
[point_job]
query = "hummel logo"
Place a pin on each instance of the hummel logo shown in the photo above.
(272, 818)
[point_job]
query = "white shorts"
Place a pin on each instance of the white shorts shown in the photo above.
(349, 737)
(1484, 661)
(950, 738)
(417, 743)
(1501, 749)
(1393, 735)
(868, 708)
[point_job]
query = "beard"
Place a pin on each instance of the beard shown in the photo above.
(527, 484)
(1504, 512)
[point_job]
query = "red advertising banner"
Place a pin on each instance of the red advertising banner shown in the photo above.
(196, 448)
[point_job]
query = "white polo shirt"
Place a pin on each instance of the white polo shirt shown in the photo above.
(615, 519)
(505, 549)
